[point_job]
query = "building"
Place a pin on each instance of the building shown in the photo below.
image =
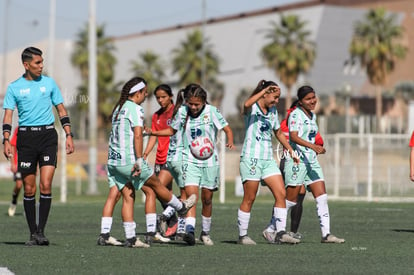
(238, 38)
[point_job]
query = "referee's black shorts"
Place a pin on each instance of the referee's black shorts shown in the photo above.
(36, 145)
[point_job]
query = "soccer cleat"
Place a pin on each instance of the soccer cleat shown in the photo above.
(187, 204)
(162, 223)
(206, 239)
(106, 239)
(12, 209)
(41, 239)
(284, 238)
(32, 241)
(112, 241)
(189, 238)
(295, 235)
(332, 239)
(134, 242)
(155, 237)
(269, 236)
(245, 240)
(171, 230)
(179, 237)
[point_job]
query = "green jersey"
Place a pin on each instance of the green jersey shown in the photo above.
(258, 135)
(176, 147)
(206, 124)
(121, 150)
(307, 129)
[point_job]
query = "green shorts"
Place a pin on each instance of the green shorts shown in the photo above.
(204, 177)
(302, 173)
(176, 170)
(120, 175)
(257, 169)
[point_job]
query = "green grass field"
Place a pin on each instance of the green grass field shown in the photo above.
(379, 240)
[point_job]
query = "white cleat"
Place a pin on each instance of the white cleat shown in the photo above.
(246, 240)
(284, 238)
(12, 209)
(332, 239)
(206, 239)
(187, 204)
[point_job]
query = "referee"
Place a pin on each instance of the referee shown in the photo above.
(34, 95)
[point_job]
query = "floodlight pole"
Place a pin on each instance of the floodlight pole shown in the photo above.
(92, 98)
(203, 49)
(5, 38)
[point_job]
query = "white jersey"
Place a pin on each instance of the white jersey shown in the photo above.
(207, 124)
(307, 129)
(176, 147)
(121, 140)
(259, 130)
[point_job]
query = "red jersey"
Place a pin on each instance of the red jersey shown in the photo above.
(411, 144)
(13, 142)
(162, 120)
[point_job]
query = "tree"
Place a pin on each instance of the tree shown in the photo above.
(191, 67)
(376, 44)
(107, 92)
(150, 67)
(289, 52)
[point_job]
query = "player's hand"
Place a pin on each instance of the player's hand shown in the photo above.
(70, 148)
(231, 146)
(318, 149)
(147, 131)
(7, 150)
(294, 155)
(136, 170)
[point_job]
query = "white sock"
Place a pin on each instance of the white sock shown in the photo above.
(181, 225)
(106, 225)
(280, 216)
(323, 214)
(169, 211)
(190, 221)
(289, 204)
(243, 219)
(129, 228)
(175, 203)
(205, 223)
(151, 221)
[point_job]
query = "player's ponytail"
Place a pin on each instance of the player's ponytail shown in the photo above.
(127, 90)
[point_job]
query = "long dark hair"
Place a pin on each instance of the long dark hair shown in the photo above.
(125, 93)
(166, 88)
(262, 85)
(183, 95)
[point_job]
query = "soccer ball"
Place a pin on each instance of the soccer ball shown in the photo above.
(202, 148)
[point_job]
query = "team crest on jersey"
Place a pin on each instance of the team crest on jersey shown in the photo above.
(43, 89)
(265, 127)
(206, 119)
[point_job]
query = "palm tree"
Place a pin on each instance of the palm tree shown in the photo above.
(151, 68)
(192, 67)
(376, 44)
(289, 52)
(105, 63)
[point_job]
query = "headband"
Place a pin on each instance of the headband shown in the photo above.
(137, 87)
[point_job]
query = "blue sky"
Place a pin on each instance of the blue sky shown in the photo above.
(24, 22)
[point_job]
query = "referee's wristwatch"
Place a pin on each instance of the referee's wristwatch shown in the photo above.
(69, 134)
(5, 139)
